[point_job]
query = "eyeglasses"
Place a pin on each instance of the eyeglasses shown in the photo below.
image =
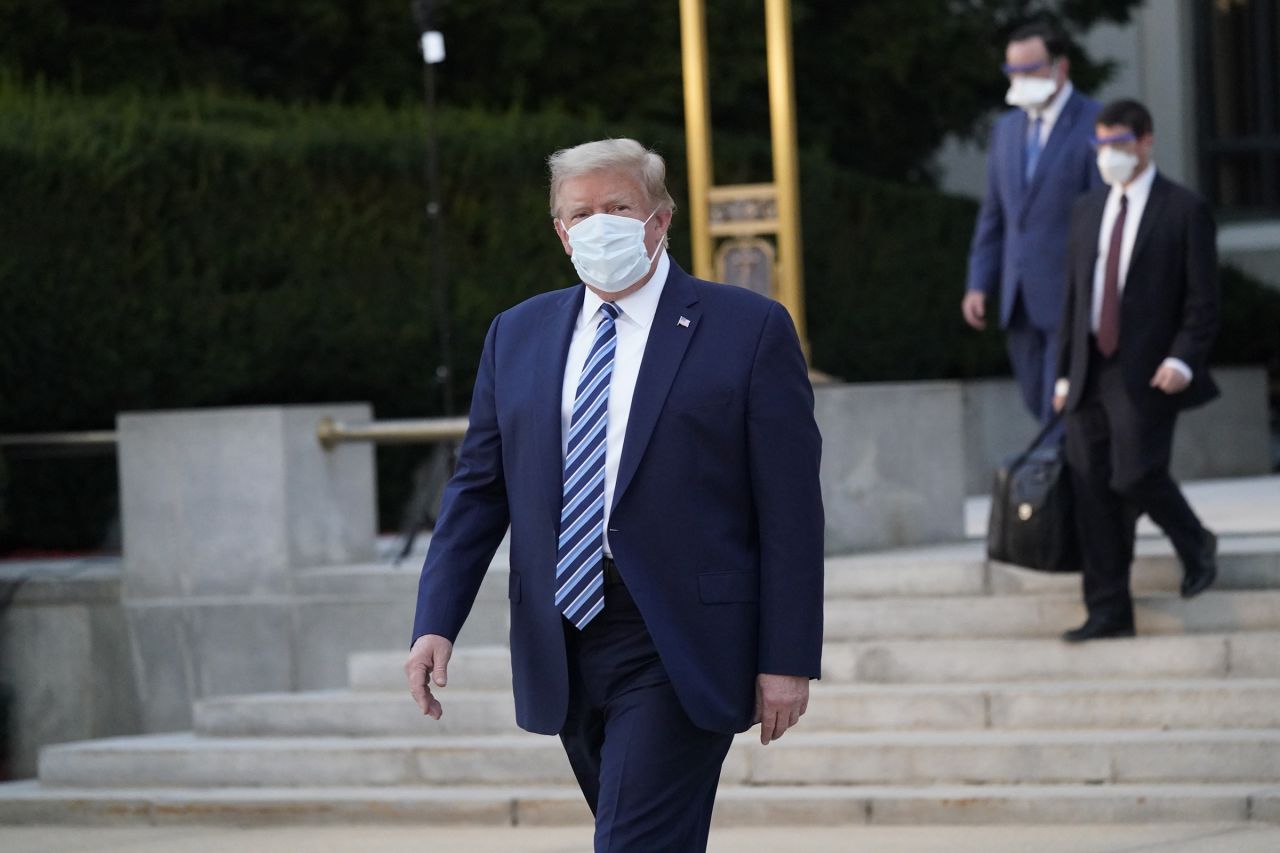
(1114, 139)
(1025, 67)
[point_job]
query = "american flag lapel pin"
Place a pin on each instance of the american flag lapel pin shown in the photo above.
(683, 321)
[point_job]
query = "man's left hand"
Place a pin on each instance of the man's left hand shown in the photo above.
(1169, 380)
(780, 702)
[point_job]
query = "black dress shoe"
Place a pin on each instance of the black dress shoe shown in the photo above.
(1099, 629)
(1199, 577)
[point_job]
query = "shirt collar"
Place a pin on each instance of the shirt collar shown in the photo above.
(1138, 191)
(637, 308)
(1049, 115)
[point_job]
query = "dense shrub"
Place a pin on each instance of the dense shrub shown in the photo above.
(1250, 323)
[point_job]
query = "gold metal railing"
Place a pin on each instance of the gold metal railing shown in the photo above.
(740, 212)
(331, 433)
(84, 442)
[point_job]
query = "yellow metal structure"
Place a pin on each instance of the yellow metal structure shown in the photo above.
(697, 115)
(747, 211)
(331, 433)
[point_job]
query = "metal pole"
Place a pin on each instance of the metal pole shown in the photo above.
(45, 444)
(697, 121)
(431, 474)
(435, 220)
(786, 164)
(331, 433)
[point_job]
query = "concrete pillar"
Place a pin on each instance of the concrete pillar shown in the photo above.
(892, 464)
(997, 425)
(220, 507)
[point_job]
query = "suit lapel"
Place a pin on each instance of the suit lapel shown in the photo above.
(553, 352)
(1150, 215)
(1089, 254)
(665, 349)
(1015, 158)
(1053, 147)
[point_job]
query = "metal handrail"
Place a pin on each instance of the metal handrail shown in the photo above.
(330, 433)
(60, 439)
(409, 431)
(86, 442)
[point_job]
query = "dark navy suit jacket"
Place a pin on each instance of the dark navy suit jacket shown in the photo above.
(1020, 241)
(716, 524)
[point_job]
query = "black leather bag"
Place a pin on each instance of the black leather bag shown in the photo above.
(1032, 521)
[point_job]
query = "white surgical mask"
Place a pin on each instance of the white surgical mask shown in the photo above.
(1116, 166)
(1030, 92)
(609, 252)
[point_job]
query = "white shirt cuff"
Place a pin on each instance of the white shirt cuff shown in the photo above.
(1178, 365)
(1062, 387)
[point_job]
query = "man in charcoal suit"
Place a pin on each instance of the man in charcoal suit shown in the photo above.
(649, 439)
(1140, 318)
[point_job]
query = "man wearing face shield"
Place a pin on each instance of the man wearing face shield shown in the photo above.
(649, 439)
(1140, 319)
(1038, 163)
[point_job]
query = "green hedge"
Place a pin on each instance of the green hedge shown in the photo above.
(206, 251)
(210, 251)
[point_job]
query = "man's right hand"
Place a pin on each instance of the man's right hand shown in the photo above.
(1059, 401)
(974, 309)
(428, 661)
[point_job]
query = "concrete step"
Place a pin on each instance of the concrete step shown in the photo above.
(802, 758)
(1042, 615)
(1245, 562)
(364, 713)
(471, 668)
(960, 568)
(1242, 655)
(810, 805)
(1147, 704)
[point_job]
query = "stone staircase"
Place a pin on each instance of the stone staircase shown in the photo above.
(946, 698)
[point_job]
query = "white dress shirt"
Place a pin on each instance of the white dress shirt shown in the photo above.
(1137, 193)
(635, 318)
(1049, 115)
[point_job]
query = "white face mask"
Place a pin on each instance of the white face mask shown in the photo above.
(1030, 92)
(1116, 166)
(609, 252)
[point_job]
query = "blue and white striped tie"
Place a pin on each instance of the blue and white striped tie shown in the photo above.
(1033, 150)
(580, 557)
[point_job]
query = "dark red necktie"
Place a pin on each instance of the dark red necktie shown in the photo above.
(1109, 317)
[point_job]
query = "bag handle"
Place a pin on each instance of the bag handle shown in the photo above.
(1035, 442)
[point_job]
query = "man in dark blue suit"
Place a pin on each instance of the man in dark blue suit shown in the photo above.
(1039, 162)
(649, 439)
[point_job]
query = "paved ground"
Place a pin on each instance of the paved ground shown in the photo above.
(1179, 838)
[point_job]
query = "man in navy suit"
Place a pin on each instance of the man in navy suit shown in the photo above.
(1039, 162)
(649, 439)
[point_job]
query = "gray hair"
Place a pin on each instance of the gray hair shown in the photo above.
(614, 155)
